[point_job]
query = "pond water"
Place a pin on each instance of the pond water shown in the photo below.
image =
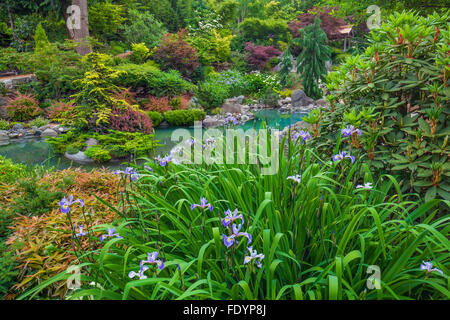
(39, 152)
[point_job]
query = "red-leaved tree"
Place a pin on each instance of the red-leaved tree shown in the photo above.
(130, 120)
(175, 53)
(330, 24)
(258, 56)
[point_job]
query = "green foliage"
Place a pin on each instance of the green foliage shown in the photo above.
(156, 82)
(212, 47)
(96, 95)
(98, 154)
(118, 144)
(38, 122)
(56, 69)
(10, 171)
(311, 61)
(270, 98)
(41, 42)
(184, 117)
(156, 117)
(286, 67)
(264, 30)
(4, 125)
(397, 93)
(210, 95)
(318, 236)
(105, 18)
(143, 27)
(140, 52)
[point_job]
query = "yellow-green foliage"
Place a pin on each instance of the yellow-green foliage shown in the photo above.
(97, 91)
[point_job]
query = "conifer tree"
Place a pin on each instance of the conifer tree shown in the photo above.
(286, 66)
(41, 42)
(311, 61)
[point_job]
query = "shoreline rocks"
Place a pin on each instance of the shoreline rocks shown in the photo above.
(18, 131)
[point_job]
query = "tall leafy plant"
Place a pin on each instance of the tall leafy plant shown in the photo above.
(311, 61)
(397, 94)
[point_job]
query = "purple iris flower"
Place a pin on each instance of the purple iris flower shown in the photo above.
(203, 204)
(210, 142)
(254, 256)
(66, 203)
(231, 239)
(166, 160)
(139, 274)
(231, 217)
(428, 266)
(305, 135)
(342, 155)
(366, 186)
(191, 142)
(231, 119)
(148, 168)
(111, 233)
(129, 171)
(348, 131)
(81, 233)
(152, 259)
(296, 178)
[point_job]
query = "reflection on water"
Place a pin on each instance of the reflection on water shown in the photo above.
(37, 151)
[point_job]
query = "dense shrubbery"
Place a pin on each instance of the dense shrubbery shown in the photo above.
(153, 80)
(396, 93)
(219, 86)
(130, 120)
(39, 243)
(184, 117)
(23, 107)
(259, 56)
(117, 143)
(156, 117)
(175, 53)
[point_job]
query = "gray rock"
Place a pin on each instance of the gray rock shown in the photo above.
(321, 103)
(91, 142)
(210, 122)
(231, 106)
(17, 127)
(287, 100)
(79, 157)
(245, 118)
(164, 124)
(297, 95)
(13, 135)
(239, 99)
(49, 133)
(4, 135)
(43, 128)
(63, 129)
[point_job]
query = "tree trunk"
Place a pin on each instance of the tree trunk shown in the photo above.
(81, 34)
(11, 22)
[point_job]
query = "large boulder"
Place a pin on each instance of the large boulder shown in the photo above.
(322, 103)
(300, 99)
(297, 95)
(91, 142)
(233, 105)
(17, 127)
(49, 133)
(79, 157)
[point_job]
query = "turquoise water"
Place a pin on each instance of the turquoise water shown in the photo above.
(39, 152)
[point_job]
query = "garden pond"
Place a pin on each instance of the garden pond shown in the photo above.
(39, 152)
